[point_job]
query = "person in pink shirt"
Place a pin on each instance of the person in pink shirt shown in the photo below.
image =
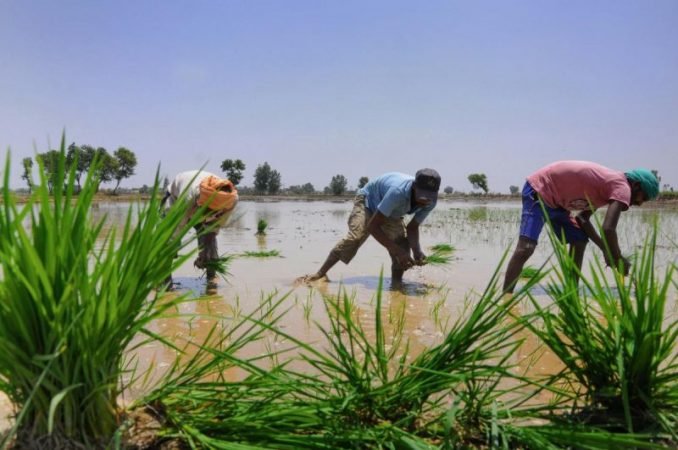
(581, 187)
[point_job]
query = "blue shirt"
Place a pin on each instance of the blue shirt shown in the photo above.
(391, 195)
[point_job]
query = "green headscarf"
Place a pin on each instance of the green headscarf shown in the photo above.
(648, 182)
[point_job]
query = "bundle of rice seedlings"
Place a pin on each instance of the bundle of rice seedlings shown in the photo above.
(441, 255)
(219, 266)
(261, 227)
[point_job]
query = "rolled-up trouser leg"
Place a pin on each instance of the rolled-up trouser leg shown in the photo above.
(346, 249)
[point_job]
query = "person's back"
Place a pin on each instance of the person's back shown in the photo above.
(189, 180)
(391, 195)
(575, 185)
(554, 192)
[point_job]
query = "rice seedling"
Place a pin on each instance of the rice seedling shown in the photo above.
(261, 254)
(219, 266)
(617, 346)
(528, 272)
(363, 394)
(261, 227)
(70, 306)
(435, 310)
(441, 255)
(443, 248)
(477, 214)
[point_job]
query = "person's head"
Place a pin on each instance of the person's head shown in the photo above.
(220, 196)
(425, 187)
(644, 186)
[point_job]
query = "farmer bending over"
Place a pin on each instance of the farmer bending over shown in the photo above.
(583, 186)
(221, 198)
(378, 210)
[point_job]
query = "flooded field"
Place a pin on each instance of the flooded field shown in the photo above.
(430, 299)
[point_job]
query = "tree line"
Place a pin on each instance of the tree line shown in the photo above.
(267, 181)
(117, 166)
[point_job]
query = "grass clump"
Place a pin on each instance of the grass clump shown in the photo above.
(617, 343)
(71, 301)
(262, 224)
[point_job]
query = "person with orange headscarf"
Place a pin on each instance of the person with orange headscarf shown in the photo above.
(219, 196)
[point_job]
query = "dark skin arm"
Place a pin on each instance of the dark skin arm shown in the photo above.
(413, 239)
(614, 257)
(374, 227)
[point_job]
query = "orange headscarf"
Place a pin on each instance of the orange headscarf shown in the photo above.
(218, 193)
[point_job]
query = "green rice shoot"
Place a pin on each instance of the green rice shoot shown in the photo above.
(441, 255)
(220, 265)
(261, 227)
(443, 248)
(529, 272)
(261, 254)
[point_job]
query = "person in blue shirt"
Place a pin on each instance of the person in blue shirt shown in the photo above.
(379, 208)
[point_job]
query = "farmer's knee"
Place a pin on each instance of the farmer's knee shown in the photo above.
(525, 248)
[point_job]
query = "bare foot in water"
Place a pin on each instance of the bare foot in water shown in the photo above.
(307, 279)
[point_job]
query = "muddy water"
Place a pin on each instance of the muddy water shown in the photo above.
(304, 232)
(430, 299)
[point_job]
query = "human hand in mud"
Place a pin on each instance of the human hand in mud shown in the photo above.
(419, 258)
(306, 279)
(403, 259)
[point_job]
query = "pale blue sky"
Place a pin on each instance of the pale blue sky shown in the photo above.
(319, 88)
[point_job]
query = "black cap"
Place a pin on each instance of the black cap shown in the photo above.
(427, 184)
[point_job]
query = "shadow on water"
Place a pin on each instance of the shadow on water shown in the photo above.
(197, 286)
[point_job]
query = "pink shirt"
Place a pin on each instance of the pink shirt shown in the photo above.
(572, 185)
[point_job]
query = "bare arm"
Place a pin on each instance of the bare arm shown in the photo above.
(584, 221)
(413, 239)
(612, 252)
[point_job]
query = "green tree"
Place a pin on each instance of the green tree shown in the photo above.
(266, 180)
(301, 190)
(362, 182)
(87, 156)
(49, 162)
(233, 169)
(274, 182)
(338, 184)
(76, 156)
(106, 165)
(448, 189)
(261, 176)
(513, 189)
(479, 181)
(27, 164)
(126, 161)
